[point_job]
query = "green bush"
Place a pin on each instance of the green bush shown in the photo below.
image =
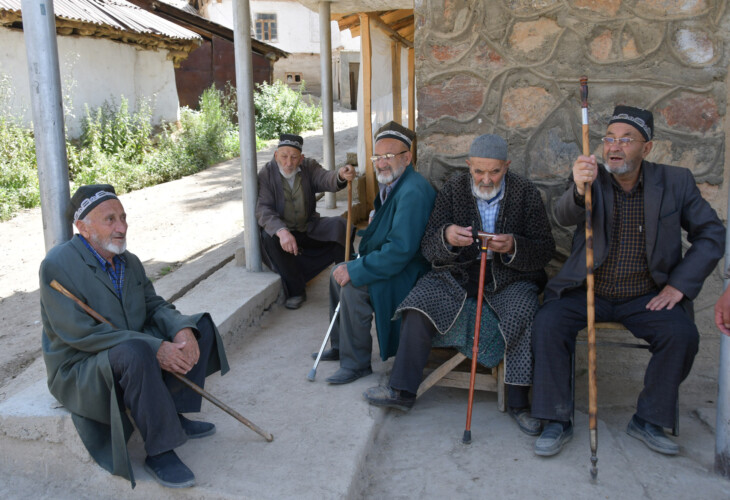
(18, 174)
(281, 110)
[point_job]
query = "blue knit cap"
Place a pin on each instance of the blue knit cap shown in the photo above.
(489, 146)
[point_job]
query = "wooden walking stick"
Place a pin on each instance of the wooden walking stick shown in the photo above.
(101, 319)
(348, 234)
(483, 244)
(590, 299)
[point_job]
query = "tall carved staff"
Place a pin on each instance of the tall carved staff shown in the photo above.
(195, 387)
(590, 299)
(483, 244)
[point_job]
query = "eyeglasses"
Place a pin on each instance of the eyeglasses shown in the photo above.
(386, 156)
(621, 141)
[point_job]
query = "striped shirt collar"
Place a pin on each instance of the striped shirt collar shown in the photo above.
(115, 272)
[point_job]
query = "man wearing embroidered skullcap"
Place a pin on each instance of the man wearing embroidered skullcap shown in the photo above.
(389, 261)
(297, 242)
(642, 279)
(98, 371)
(441, 308)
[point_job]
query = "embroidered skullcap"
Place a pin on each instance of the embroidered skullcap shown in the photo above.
(394, 130)
(641, 119)
(86, 198)
(291, 140)
(489, 146)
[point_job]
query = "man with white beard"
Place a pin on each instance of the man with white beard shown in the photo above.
(643, 278)
(389, 260)
(296, 242)
(98, 370)
(495, 200)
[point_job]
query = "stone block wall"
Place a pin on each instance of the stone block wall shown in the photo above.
(512, 67)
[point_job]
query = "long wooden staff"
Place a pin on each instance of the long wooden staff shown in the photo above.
(590, 299)
(348, 233)
(483, 240)
(101, 319)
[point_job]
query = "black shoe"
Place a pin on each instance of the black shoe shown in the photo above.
(168, 470)
(552, 439)
(527, 424)
(328, 355)
(196, 429)
(384, 395)
(653, 436)
(345, 375)
(295, 302)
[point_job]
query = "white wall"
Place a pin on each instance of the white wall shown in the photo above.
(94, 70)
(297, 26)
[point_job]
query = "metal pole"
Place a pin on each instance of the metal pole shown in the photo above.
(39, 33)
(722, 424)
(328, 122)
(246, 130)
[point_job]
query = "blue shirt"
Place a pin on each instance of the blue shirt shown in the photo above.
(115, 272)
(489, 210)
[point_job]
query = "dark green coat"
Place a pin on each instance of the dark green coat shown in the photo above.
(390, 260)
(75, 346)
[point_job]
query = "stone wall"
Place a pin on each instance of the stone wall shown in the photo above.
(512, 67)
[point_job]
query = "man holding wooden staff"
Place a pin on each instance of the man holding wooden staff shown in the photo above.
(389, 260)
(97, 370)
(297, 243)
(641, 277)
(497, 201)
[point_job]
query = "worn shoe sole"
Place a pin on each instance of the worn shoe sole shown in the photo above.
(523, 420)
(356, 374)
(398, 404)
(167, 484)
(557, 446)
(665, 449)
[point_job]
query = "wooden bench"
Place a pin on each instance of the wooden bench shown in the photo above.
(450, 368)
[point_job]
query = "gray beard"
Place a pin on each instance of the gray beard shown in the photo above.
(388, 178)
(286, 176)
(618, 171)
(491, 193)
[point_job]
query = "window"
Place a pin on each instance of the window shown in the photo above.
(266, 27)
(293, 78)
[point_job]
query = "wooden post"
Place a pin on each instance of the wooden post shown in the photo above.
(395, 80)
(371, 185)
(412, 88)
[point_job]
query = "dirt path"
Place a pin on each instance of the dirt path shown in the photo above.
(168, 224)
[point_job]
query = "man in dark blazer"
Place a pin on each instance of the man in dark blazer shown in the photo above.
(641, 278)
(389, 260)
(97, 370)
(297, 243)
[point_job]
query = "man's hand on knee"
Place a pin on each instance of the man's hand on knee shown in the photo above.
(287, 241)
(191, 351)
(171, 358)
(341, 276)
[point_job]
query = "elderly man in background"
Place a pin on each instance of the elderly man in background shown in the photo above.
(642, 278)
(297, 243)
(389, 263)
(499, 201)
(97, 370)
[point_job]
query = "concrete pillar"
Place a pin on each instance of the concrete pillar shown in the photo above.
(328, 121)
(44, 77)
(246, 130)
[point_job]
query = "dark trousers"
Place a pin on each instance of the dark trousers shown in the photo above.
(673, 341)
(295, 270)
(414, 347)
(154, 398)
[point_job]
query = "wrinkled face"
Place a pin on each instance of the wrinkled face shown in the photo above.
(624, 159)
(288, 159)
(486, 176)
(105, 228)
(387, 171)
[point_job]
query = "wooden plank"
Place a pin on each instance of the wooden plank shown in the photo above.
(412, 89)
(461, 380)
(366, 50)
(395, 79)
(378, 23)
(439, 373)
(396, 15)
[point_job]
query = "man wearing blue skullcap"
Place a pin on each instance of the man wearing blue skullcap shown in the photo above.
(440, 310)
(642, 278)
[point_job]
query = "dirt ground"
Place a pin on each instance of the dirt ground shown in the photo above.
(168, 224)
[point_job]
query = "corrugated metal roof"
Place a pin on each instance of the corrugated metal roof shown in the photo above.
(117, 14)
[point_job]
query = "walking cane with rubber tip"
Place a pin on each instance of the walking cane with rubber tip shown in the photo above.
(348, 234)
(195, 387)
(483, 239)
(590, 298)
